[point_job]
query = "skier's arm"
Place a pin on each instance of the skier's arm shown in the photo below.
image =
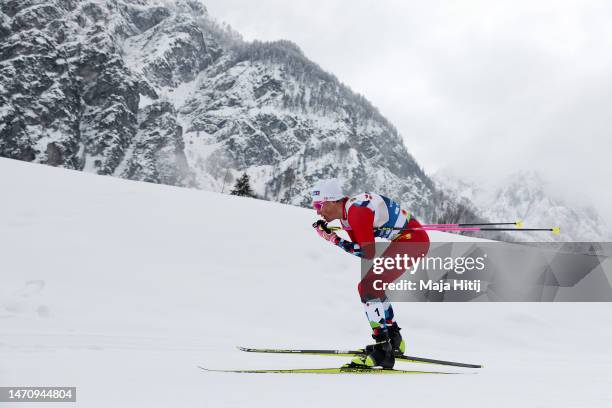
(361, 220)
(327, 234)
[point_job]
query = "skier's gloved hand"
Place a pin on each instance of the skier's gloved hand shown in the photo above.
(323, 225)
(324, 232)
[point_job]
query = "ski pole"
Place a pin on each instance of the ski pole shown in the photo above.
(518, 224)
(554, 230)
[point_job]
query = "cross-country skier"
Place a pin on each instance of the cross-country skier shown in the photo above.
(360, 216)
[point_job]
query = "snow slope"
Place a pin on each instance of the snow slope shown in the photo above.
(121, 288)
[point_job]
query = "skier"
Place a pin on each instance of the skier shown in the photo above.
(360, 216)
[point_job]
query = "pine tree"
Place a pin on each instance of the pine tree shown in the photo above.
(243, 187)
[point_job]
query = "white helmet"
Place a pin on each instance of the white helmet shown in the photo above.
(327, 190)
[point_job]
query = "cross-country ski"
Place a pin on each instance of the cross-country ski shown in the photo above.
(356, 353)
(338, 370)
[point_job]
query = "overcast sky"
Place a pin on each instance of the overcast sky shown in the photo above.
(478, 88)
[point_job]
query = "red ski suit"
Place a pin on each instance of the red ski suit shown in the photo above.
(361, 221)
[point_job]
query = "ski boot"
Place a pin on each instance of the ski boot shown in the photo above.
(398, 344)
(379, 354)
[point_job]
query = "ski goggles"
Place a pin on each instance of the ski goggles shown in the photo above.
(317, 205)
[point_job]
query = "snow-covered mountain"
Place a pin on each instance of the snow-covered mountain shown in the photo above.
(158, 91)
(526, 196)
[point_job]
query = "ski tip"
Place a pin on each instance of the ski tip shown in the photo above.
(556, 230)
(519, 224)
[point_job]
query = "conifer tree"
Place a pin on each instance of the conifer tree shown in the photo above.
(243, 187)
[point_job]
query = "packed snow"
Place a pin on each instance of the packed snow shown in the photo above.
(123, 288)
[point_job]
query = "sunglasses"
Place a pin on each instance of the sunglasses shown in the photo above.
(317, 205)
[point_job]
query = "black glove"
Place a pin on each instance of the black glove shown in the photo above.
(322, 225)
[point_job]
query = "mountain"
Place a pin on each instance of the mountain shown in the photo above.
(158, 91)
(526, 196)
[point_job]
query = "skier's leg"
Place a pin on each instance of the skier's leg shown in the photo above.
(397, 342)
(389, 315)
(379, 310)
(381, 353)
(419, 247)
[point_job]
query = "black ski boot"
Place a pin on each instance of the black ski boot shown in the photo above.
(398, 344)
(377, 355)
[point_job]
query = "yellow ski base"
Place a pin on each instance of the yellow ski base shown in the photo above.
(341, 370)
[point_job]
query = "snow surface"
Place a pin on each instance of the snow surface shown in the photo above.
(122, 288)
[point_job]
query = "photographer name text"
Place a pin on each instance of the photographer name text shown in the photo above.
(464, 285)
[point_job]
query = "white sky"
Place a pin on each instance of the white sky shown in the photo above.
(478, 88)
